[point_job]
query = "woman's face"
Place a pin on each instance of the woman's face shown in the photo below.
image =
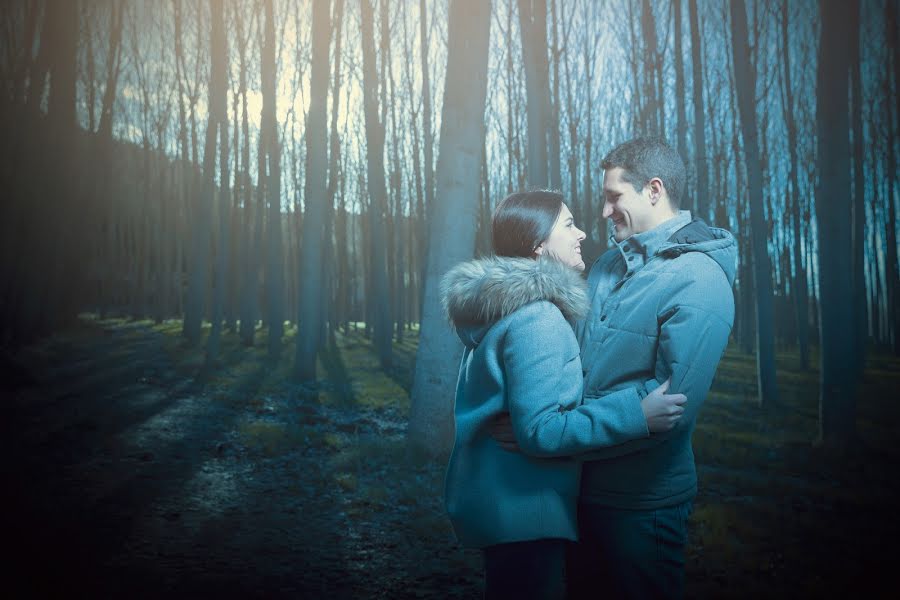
(564, 243)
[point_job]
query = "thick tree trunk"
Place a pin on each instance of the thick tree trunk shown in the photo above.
(335, 268)
(799, 288)
(316, 197)
(745, 81)
(533, 27)
(198, 280)
(680, 113)
(427, 144)
(452, 228)
(59, 277)
(553, 127)
(375, 180)
(837, 395)
(892, 267)
(220, 56)
(858, 212)
(272, 150)
(701, 194)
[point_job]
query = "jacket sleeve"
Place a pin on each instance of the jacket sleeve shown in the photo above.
(535, 359)
(693, 334)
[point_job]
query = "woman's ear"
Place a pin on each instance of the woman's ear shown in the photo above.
(539, 251)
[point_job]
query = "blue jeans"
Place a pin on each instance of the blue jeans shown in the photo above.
(628, 553)
(532, 570)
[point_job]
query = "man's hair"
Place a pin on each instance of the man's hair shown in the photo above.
(644, 158)
(523, 220)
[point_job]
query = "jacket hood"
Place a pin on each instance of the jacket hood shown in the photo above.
(478, 293)
(697, 236)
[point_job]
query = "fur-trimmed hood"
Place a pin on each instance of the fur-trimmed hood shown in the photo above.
(478, 293)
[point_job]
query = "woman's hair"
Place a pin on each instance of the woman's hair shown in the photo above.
(522, 221)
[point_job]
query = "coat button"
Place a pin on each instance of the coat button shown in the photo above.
(603, 318)
(630, 258)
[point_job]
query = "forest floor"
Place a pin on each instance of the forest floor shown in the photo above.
(130, 470)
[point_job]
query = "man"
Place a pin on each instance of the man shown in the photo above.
(661, 308)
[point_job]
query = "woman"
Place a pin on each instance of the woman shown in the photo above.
(513, 313)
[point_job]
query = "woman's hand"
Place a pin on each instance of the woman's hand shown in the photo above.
(662, 410)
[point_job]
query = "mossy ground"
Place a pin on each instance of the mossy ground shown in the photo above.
(234, 478)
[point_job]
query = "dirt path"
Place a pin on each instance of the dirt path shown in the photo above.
(129, 475)
(132, 479)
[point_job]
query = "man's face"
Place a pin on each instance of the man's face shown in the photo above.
(631, 211)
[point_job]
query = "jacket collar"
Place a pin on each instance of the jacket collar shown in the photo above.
(485, 290)
(640, 247)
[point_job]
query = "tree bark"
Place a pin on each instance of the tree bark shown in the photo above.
(316, 196)
(701, 194)
(220, 52)
(745, 82)
(800, 289)
(533, 27)
(271, 149)
(858, 212)
(377, 192)
(452, 228)
(892, 267)
(837, 396)
(680, 113)
(198, 281)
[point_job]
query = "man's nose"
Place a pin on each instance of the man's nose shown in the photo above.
(607, 210)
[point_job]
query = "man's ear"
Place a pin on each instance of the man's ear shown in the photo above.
(657, 189)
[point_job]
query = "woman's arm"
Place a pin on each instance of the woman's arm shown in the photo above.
(538, 383)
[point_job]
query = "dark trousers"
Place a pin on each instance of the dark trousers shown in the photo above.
(627, 554)
(532, 570)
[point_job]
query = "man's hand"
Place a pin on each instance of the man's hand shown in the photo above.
(502, 432)
(662, 410)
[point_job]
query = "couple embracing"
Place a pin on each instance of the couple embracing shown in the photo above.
(572, 466)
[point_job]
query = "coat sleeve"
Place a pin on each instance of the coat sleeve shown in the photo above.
(536, 375)
(693, 333)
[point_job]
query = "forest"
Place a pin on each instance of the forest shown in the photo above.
(229, 219)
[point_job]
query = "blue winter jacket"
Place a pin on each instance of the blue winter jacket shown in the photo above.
(521, 357)
(661, 307)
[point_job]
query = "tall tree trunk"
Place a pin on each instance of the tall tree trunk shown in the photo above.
(553, 127)
(250, 217)
(220, 54)
(533, 26)
(427, 143)
(316, 197)
(701, 194)
(892, 268)
(837, 395)
(799, 288)
(335, 268)
(60, 276)
(452, 228)
(198, 281)
(680, 113)
(272, 149)
(745, 82)
(653, 102)
(377, 192)
(858, 213)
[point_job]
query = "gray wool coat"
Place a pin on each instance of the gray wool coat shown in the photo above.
(521, 356)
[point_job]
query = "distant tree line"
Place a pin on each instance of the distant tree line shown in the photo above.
(248, 162)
